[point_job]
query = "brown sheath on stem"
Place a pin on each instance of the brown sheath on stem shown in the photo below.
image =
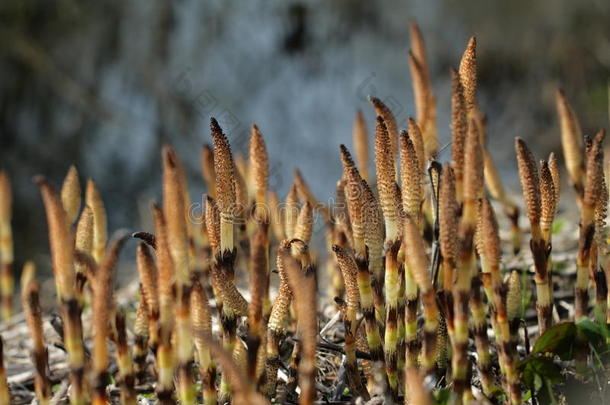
(202, 326)
(418, 264)
(126, 380)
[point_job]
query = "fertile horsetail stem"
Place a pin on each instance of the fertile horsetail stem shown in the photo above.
(175, 214)
(418, 264)
(468, 73)
(354, 189)
(572, 143)
(383, 111)
(530, 183)
(302, 282)
(259, 287)
(361, 144)
(7, 283)
(62, 258)
(225, 186)
(5, 394)
(165, 351)
(594, 175)
(425, 103)
(102, 310)
(349, 270)
(207, 169)
(93, 199)
(149, 274)
(140, 340)
(459, 129)
(31, 306)
(490, 252)
(259, 165)
(126, 379)
(202, 326)
(71, 194)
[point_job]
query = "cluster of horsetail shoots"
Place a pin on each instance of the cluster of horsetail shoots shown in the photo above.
(416, 271)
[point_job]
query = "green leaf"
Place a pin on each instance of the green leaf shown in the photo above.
(539, 370)
(593, 331)
(549, 370)
(496, 392)
(557, 226)
(560, 266)
(558, 340)
(442, 396)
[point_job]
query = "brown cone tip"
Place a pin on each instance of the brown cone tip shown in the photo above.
(389, 119)
(547, 195)
(259, 159)
(410, 175)
(385, 169)
(346, 157)
(415, 134)
(554, 168)
(224, 168)
(71, 194)
(468, 72)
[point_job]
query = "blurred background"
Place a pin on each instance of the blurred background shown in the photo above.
(103, 84)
